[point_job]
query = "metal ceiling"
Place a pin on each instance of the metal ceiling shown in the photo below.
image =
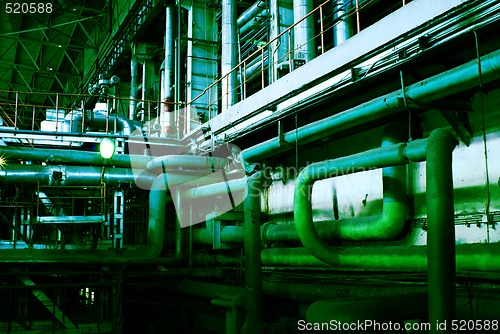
(43, 52)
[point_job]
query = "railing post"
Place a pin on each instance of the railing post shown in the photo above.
(290, 60)
(57, 111)
(33, 120)
(262, 67)
(322, 29)
(244, 80)
(149, 117)
(15, 112)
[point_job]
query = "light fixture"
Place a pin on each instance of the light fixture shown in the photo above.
(107, 148)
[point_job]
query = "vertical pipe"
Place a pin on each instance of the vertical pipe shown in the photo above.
(358, 20)
(177, 75)
(252, 245)
(303, 32)
(441, 228)
(168, 84)
(228, 57)
(343, 26)
(133, 85)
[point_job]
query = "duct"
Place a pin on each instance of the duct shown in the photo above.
(100, 121)
(228, 57)
(343, 28)
(440, 227)
(133, 84)
(70, 175)
(251, 13)
(123, 125)
(454, 81)
(303, 31)
(56, 156)
(253, 279)
(167, 87)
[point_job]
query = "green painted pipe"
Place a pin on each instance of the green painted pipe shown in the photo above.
(382, 157)
(58, 156)
(436, 87)
(440, 227)
(252, 244)
(475, 257)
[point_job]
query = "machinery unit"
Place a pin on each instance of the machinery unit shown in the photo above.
(275, 166)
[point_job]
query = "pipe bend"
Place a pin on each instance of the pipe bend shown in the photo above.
(386, 226)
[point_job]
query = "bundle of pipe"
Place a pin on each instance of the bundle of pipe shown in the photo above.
(447, 83)
(156, 225)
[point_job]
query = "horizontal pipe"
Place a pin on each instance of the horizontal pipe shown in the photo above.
(450, 82)
(255, 9)
(186, 162)
(70, 175)
(233, 186)
(479, 257)
(68, 156)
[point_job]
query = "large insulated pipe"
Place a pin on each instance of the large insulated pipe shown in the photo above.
(59, 156)
(189, 162)
(75, 122)
(229, 58)
(477, 257)
(440, 227)
(71, 175)
(208, 190)
(169, 127)
(251, 25)
(436, 87)
(133, 84)
(255, 9)
(343, 27)
(252, 248)
(303, 31)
